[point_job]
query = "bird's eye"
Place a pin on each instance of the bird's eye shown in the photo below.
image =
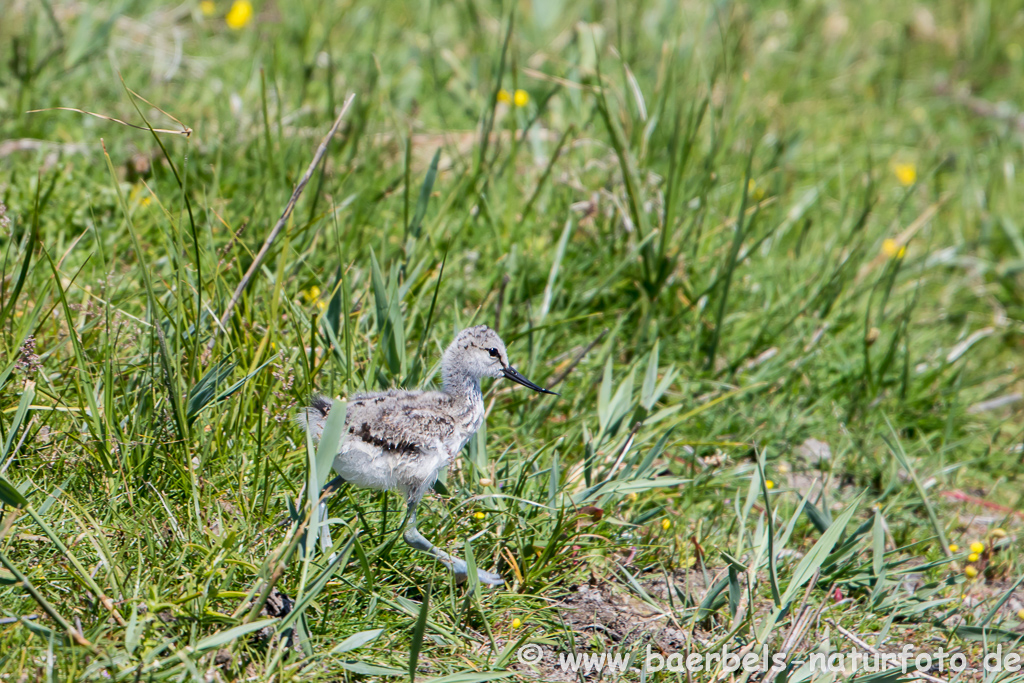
(494, 353)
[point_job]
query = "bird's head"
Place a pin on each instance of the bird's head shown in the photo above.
(478, 352)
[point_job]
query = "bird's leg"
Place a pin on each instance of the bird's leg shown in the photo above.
(332, 486)
(415, 539)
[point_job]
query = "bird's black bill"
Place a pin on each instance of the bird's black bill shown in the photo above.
(514, 375)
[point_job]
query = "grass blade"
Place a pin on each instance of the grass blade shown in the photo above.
(417, 634)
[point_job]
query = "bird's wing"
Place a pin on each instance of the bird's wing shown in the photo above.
(399, 424)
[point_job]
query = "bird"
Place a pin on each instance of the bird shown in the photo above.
(399, 440)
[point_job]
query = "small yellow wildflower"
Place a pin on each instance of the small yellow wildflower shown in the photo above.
(146, 201)
(1020, 615)
(239, 15)
(312, 294)
(998, 532)
(954, 548)
(970, 571)
(666, 524)
(207, 7)
(973, 557)
(893, 249)
(977, 547)
(632, 496)
(521, 98)
(516, 623)
(479, 515)
(769, 484)
(504, 97)
(906, 174)
(754, 191)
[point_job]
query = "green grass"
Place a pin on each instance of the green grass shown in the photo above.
(686, 227)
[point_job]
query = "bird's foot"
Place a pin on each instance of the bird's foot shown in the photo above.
(461, 571)
(458, 566)
(488, 578)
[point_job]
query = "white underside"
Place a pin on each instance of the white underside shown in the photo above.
(367, 466)
(412, 474)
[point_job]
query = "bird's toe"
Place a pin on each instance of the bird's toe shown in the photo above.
(489, 578)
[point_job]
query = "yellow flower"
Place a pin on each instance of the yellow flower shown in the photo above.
(769, 484)
(312, 294)
(207, 8)
(905, 173)
(998, 532)
(954, 548)
(521, 98)
(632, 496)
(239, 15)
(479, 515)
(971, 572)
(973, 557)
(145, 201)
(977, 547)
(516, 623)
(1020, 615)
(754, 191)
(893, 249)
(504, 97)
(666, 524)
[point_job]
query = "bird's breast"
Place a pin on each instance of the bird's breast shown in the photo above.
(466, 425)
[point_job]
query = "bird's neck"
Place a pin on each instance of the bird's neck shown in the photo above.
(461, 386)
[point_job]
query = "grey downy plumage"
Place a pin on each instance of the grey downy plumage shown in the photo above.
(399, 440)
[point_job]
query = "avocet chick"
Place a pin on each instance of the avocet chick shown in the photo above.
(399, 440)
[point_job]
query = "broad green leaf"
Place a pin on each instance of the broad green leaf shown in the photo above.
(415, 226)
(218, 640)
(417, 635)
(205, 390)
(604, 395)
(370, 669)
(812, 561)
(628, 486)
(556, 265)
(9, 495)
(330, 440)
(622, 402)
(472, 677)
(357, 640)
(27, 394)
(989, 635)
(647, 397)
